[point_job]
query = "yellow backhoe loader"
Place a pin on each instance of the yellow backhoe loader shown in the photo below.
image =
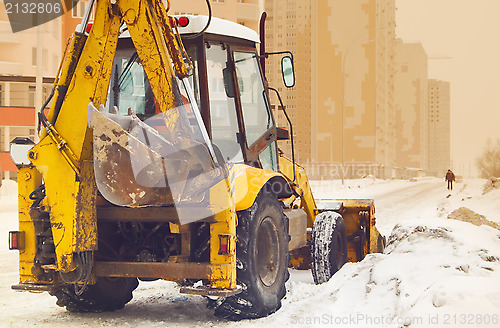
(158, 159)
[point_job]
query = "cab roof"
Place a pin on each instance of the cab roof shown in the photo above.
(217, 26)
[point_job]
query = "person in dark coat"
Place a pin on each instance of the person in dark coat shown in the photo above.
(450, 177)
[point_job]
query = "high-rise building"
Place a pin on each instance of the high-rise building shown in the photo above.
(289, 27)
(342, 105)
(19, 60)
(439, 127)
(411, 90)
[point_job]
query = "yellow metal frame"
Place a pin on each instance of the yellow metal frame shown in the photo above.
(301, 186)
(28, 179)
(64, 157)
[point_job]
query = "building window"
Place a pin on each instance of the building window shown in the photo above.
(31, 96)
(79, 7)
(33, 56)
(1, 95)
(45, 58)
(55, 28)
(55, 61)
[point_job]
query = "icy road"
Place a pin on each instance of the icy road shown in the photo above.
(435, 272)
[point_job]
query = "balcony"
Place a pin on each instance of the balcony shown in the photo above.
(10, 68)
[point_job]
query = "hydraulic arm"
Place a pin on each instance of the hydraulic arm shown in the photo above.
(64, 155)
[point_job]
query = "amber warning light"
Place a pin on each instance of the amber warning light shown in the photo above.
(224, 244)
(16, 240)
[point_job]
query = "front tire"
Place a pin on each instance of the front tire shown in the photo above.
(328, 246)
(262, 261)
(108, 294)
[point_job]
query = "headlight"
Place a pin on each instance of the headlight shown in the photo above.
(19, 148)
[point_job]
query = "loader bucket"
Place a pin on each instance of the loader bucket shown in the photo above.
(359, 219)
(136, 166)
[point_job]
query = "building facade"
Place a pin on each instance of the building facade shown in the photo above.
(20, 63)
(411, 91)
(289, 27)
(439, 127)
(342, 105)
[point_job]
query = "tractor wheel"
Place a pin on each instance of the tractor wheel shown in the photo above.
(108, 294)
(328, 246)
(262, 261)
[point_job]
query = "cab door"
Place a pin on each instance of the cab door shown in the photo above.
(242, 125)
(258, 125)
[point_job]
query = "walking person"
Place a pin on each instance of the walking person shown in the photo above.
(450, 177)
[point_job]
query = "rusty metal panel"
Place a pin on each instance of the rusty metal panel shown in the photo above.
(167, 271)
(209, 291)
(153, 214)
(297, 228)
(32, 287)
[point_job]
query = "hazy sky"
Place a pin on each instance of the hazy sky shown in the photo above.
(469, 32)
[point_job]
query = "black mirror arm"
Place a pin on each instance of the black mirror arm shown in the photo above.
(267, 54)
(291, 129)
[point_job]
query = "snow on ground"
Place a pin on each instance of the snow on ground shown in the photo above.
(435, 272)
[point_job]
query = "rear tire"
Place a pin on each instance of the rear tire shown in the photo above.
(108, 294)
(328, 246)
(262, 261)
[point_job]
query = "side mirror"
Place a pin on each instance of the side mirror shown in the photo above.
(288, 71)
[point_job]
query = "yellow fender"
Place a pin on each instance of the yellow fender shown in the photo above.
(247, 182)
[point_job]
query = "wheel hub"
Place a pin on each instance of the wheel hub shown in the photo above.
(268, 252)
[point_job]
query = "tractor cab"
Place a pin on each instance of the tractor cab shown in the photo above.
(227, 84)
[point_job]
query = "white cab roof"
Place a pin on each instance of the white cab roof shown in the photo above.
(217, 26)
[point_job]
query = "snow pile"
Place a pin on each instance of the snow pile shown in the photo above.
(8, 196)
(493, 183)
(471, 195)
(466, 215)
(429, 273)
(8, 188)
(435, 272)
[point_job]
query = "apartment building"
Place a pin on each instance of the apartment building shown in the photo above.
(289, 27)
(439, 127)
(411, 98)
(342, 105)
(19, 59)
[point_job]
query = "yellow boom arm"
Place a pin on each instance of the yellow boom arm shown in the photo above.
(64, 155)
